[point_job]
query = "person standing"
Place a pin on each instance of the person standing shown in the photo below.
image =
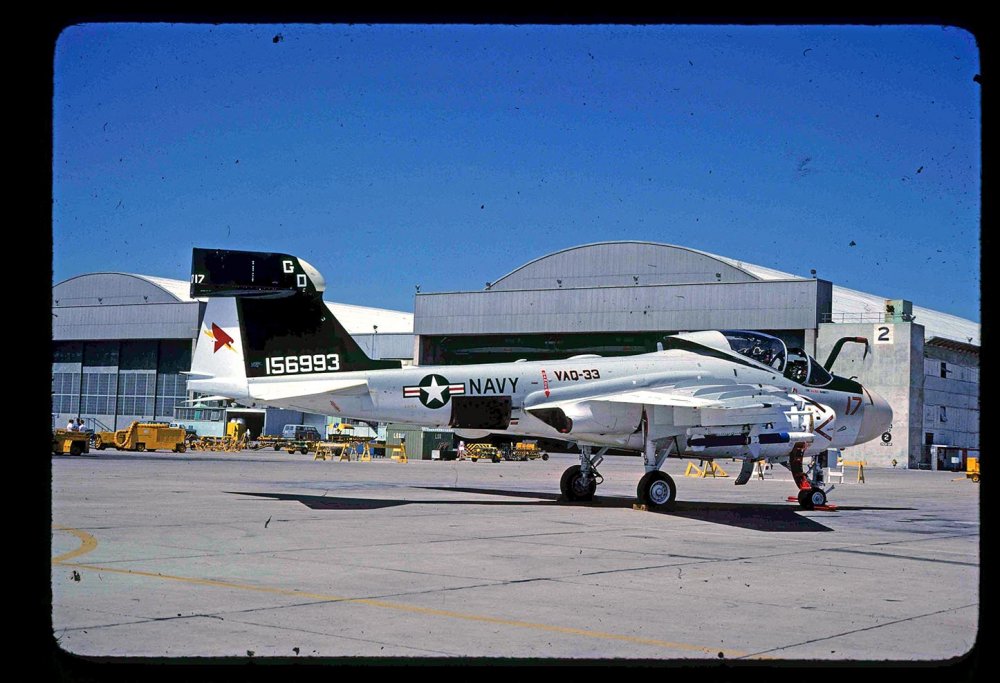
(71, 425)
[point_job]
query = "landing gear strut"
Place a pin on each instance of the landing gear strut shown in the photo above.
(579, 482)
(810, 495)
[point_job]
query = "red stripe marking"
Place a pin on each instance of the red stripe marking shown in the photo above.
(819, 430)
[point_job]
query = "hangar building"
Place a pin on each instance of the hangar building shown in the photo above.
(121, 341)
(616, 298)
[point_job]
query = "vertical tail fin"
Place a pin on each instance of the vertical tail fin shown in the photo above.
(284, 327)
(218, 366)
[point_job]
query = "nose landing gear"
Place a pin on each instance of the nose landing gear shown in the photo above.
(811, 498)
(810, 495)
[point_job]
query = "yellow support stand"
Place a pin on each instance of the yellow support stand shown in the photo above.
(328, 450)
(366, 453)
(712, 469)
(717, 471)
(760, 470)
(860, 464)
(401, 449)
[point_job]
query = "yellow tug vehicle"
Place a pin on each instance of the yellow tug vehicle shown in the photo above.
(143, 436)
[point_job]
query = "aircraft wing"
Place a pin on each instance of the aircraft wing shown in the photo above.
(282, 390)
(696, 404)
(644, 396)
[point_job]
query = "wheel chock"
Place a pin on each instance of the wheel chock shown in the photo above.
(641, 507)
(823, 508)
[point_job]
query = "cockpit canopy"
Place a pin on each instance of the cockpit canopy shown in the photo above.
(795, 364)
(763, 348)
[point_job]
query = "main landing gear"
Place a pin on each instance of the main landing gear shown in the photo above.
(579, 482)
(656, 489)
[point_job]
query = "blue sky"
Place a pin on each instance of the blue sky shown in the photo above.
(446, 156)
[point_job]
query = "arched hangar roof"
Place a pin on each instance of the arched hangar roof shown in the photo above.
(626, 263)
(109, 289)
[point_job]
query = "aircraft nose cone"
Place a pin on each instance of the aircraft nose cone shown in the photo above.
(876, 419)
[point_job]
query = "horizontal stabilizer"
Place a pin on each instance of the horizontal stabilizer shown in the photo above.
(193, 401)
(281, 390)
(225, 273)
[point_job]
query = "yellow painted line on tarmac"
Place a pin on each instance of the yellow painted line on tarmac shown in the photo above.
(89, 543)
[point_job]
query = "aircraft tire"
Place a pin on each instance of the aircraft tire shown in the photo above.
(657, 490)
(571, 486)
(810, 498)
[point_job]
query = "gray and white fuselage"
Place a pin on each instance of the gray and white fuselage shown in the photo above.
(421, 395)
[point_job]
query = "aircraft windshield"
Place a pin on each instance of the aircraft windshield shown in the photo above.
(762, 348)
(804, 369)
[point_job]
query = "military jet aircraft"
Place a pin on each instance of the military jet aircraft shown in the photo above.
(268, 338)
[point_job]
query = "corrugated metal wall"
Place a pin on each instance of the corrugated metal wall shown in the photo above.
(752, 305)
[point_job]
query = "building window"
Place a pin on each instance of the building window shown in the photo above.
(944, 369)
(97, 391)
(136, 397)
(942, 414)
(66, 392)
(170, 390)
(928, 438)
(173, 358)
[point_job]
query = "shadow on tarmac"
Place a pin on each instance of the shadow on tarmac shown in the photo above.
(755, 516)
